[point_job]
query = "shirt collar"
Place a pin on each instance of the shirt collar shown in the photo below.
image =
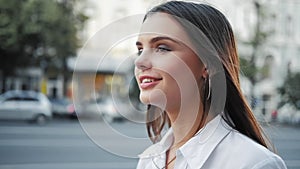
(197, 150)
(201, 137)
(161, 147)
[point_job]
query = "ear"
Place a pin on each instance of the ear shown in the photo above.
(205, 73)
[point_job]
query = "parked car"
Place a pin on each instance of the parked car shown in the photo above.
(62, 107)
(288, 113)
(108, 108)
(25, 105)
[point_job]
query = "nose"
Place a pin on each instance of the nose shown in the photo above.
(143, 61)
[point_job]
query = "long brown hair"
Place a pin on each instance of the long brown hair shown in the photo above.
(218, 31)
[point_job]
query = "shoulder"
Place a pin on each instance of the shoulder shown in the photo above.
(226, 148)
(244, 152)
(236, 142)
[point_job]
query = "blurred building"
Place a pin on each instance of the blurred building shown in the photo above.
(277, 56)
(25, 79)
(101, 70)
(96, 76)
(282, 51)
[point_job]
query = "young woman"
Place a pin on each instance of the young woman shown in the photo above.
(188, 74)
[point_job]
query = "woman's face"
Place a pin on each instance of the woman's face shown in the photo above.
(167, 70)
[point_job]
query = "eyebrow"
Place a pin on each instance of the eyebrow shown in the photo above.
(159, 38)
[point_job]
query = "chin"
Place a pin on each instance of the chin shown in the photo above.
(153, 98)
(144, 99)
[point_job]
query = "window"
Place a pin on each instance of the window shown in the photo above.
(13, 99)
(30, 99)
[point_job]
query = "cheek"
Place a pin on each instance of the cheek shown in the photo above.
(136, 73)
(173, 89)
(183, 80)
(177, 80)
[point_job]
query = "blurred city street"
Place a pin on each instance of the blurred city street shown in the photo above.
(286, 139)
(62, 144)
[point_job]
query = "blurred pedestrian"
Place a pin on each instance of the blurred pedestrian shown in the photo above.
(187, 69)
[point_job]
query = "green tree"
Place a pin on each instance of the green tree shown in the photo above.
(10, 37)
(290, 90)
(38, 33)
(256, 42)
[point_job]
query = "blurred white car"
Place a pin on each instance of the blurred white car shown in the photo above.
(62, 107)
(288, 114)
(110, 110)
(25, 105)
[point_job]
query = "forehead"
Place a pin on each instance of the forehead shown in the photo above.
(163, 24)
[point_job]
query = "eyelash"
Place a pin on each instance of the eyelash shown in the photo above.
(159, 48)
(163, 48)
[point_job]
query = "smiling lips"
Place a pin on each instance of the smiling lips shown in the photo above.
(147, 82)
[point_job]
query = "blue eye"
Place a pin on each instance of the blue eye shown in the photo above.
(163, 48)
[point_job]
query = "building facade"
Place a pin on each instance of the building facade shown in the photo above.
(277, 55)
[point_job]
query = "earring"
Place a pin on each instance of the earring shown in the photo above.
(209, 88)
(207, 80)
(206, 88)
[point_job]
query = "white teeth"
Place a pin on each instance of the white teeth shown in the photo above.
(147, 80)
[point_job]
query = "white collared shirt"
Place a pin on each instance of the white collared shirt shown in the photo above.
(216, 146)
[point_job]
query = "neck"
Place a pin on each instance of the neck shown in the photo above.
(186, 124)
